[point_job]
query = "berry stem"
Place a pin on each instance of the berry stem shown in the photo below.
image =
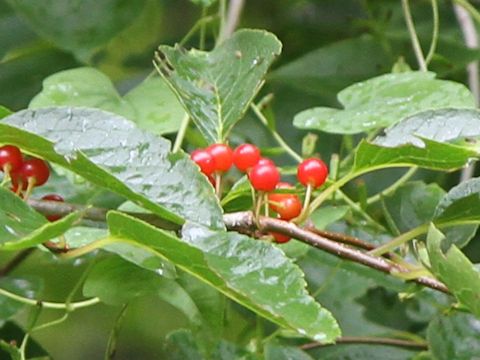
(181, 133)
(306, 203)
(218, 185)
(265, 202)
(30, 186)
(258, 205)
(6, 178)
(276, 135)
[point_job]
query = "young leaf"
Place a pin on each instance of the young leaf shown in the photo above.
(385, 100)
(22, 227)
(216, 87)
(454, 336)
(253, 273)
(111, 152)
(276, 351)
(455, 270)
(151, 104)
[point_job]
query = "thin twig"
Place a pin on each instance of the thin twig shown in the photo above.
(471, 40)
(413, 36)
(369, 340)
(233, 17)
(15, 261)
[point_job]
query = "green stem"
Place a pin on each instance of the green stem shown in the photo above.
(276, 135)
(413, 36)
(48, 304)
(331, 190)
(198, 25)
(112, 339)
(222, 13)
(181, 133)
(358, 209)
(433, 44)
(203, 29)
(400, 240)
(87, 248)
(392, 188)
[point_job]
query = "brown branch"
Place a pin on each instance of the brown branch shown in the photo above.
(343, 238)
(369, 340)
(244, 222)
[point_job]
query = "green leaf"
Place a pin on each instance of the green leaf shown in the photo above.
(442, 125)
(383, 101)
(363, 352)
(27, 287)
(151, 105)
(327, 215)
(78, 28)
(181, 345)
(413, 204)
(4, 112)
(111, 152)
(276, 351)
(455, 336)
(455, 270)
(461, 204)
(11, 333)
(334, 66)
(434, 155)
(210, 303)
(116, 281)
(217, 87)
(22, 227)
(253, 273)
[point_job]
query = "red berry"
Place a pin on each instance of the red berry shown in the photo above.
(265, 161)
(264, 177)
(312, 172)
(288, 207)
(10, 156)
(245, 156)
(33, 168)
(53, 197)
(204, 160)
(222, 156)
(280, 238)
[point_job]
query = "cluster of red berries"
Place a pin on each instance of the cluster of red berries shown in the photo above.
(25, 174)
(263, 176)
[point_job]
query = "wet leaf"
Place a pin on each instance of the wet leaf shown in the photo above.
(455, 336)
(111, 152)
(181, 345)
(460, 204)
(383, 101)
(255, 274)
(438, 125)
(216, 87)
(455, 270)
(22, 227)
(78, 28)
(434, 155)
(363, 352)
(151, 105)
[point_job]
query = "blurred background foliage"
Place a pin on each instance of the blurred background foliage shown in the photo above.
(327, 45)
